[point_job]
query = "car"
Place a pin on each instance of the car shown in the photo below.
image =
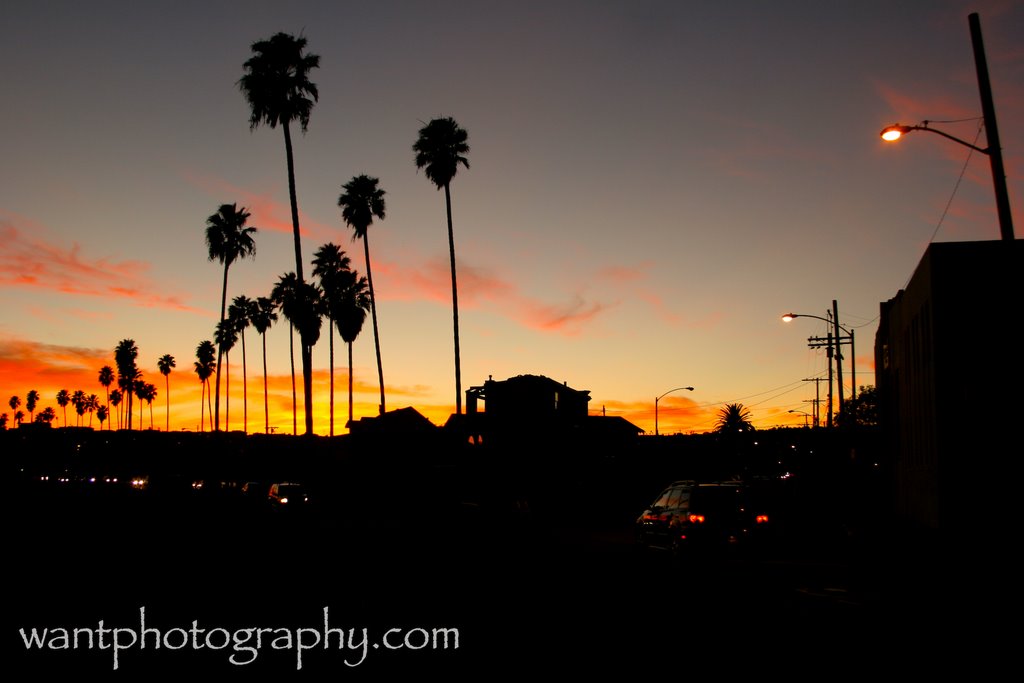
(287, 494)
(691, 517)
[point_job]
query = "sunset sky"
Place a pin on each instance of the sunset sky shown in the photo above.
(651, 186)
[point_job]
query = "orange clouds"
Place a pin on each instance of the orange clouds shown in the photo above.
(28, 261)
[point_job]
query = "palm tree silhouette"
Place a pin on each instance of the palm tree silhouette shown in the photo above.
(115, 397)
(734, 418)
(102, 413)
(240, 314)
(63, 398)
(14, 402)
(106, 378)
(78, 400)
(92, 404)
(165, 363)
(225, 335)
(3, 420)
(205, 365)
(147, 393)
(277, 87)
(329, 265)
(124, 358)
(354, 302)
(19, 417)
(440, 149)
(300, 304)
(31, 400)
(263, 316)
(360, 202)
(227, 239)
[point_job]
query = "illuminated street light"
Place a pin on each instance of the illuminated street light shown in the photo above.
(806, 415)
(661, 397)
(838, 340)
(993, 151)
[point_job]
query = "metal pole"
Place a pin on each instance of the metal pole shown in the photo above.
(656, 398)
(988, 110)
(828, 414)
(839, 353)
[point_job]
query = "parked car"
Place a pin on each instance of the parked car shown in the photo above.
(690, 517)
(288, 494)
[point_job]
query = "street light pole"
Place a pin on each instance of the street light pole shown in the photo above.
(988, 110)
(661, 397)
(832, 338)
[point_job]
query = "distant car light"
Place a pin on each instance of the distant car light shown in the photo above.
(761, 519)
(697, 519)
(284, 500)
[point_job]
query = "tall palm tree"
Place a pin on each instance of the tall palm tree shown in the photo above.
(228, 239)
(115, 400)
(31, 400)
(106, 378)
(360, 202)
(102, 413)
(225, 335)
(277, 87)
(92, 404)
(440, 149)
(354, 300)
(63, 398)
(329, 265)
(240, 314)
(148, 394)
(78, 400)
(299, 302)
(124, 358)
(165, 363)
(734, 418)
(14, 402)
(205, 365)
(263, 316)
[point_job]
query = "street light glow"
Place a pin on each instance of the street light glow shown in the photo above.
(788, 318)
(893, 133)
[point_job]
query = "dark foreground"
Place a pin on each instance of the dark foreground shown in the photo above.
(562, 593)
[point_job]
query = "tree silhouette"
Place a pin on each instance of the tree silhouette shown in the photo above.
(263, 316)
(360, 202)
(19, 417)
(106, 378)
(330, 264)
(92, 404)
(102, 413)
(124, 358)
(31, 401)
(440, 149)
(225, 337)
(240, 314)
(299, 303)
(115, 400)
(205, 365)
(147, 393)
(46, 416)
(277, 87)
(78, 399)
(14, 402)
(3, 420)
(63, 398)
(734, 418)
(165, 364)
(227, 239)
(354, 302)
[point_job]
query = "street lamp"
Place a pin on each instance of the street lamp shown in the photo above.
(661, 397)
(993, 151)
(839, 357)
(806, 415)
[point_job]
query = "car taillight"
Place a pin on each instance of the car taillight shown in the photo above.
(697, 519)
(284, 500)
(761, 519)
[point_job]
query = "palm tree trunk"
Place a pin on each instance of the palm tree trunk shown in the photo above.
(455, 303)
(330, 333)
(291, 352)
(209, 406)
(266, 402)
(220, 348)
(350, 386)
(202, 405)
(245, 390)
(307, 353)
(167, 388)
(227, 392)
(373, 316)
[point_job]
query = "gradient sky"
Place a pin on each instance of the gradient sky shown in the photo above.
(651, 186)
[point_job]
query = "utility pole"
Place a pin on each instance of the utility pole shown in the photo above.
(817, 399)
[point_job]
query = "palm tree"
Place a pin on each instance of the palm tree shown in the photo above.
(360, 202)
(106, 378)
(240, 314)
(124, 358)
(3, 420)
(300, 304)
(440, 149)
(102, 413)
(262, 317)
(19, 417)
(734, 418)
(31, 400)
(78, 400)
(329, 265)
(14, 402)
(165, 363)
(63, 398)
(48, 415)
(354, 302)
(227, 239)
(115, 400)
(205, 364)
(92, 404)
(277, 87)
(225, 336)
(147, 393)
